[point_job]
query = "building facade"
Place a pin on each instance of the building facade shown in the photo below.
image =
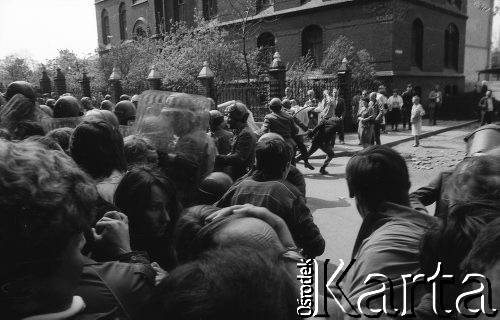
(424, 42)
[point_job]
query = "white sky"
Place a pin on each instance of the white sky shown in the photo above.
(38, 28)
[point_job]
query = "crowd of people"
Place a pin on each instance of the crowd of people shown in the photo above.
(200, 214)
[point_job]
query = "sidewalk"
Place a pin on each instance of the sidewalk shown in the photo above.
(390, 138)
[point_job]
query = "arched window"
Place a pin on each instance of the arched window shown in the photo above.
(266, 46)
(122, 19)
(417, 43)
(312, 42)
(209, 9)
(105, 26)
(140, 30)
(451, 47)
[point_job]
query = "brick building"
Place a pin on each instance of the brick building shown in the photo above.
(417, 41)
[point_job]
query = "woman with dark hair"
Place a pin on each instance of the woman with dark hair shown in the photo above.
(149, 199)
(98, 149)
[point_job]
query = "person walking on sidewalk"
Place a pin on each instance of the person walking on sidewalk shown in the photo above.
(365, 117)
(487, 105)
(417, 112)
(407, 104)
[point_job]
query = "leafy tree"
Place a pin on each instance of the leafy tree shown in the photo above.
(359, 60)
(13, 68)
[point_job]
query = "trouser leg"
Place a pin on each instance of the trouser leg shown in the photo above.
(376, 133)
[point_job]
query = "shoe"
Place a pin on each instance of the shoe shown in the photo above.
(323, 171)
(416, 145)
(308, 166)
(342, 142)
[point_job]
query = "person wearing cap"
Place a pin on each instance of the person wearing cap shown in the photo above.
(407, 104)
(125, 112)
(213, 187)
(22, 87)
(67, 107)
(242, 155)
(280, 122)
(222, 138)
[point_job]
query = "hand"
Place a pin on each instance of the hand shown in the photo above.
(111, 233)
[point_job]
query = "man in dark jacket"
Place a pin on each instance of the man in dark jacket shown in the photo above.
(241, 157)
(267, 188)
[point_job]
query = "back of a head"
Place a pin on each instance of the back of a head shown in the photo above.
(227, 282)
(25, 129)
(238, 111)
(139, 150)
(272, 157)
(86, 103)
(20, 87)
(378, 174)
(46, 201)
(18, 109)
(48, 110)
(98, 148)
(124, 97)
(67, 107)
(287, 104)
(275, 104)
(216, 118)
(475, 179)
(214, 186)
(485, 251)
(107, 105)
(125, 112)
(62, 136)
(104, 115)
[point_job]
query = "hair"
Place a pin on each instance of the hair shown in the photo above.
(47, 142)
(105, 115)
(138, 150)
(125, 112)
(416, 98)
(272, 158)
(18, 109)
(107, 105)
(98, 148)
(372, 96)
(449, 241)
(5, 134)
(485, 251)
(86, 103)
(475, 179)
(25, 129)
(46, 200)
(227, 283)
(133, 195)
(378, 174)
(62, 136)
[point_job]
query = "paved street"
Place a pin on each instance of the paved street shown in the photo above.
(335, 213)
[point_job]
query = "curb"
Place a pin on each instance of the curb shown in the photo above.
(395, 143)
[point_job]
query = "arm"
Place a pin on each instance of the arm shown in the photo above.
(244, 145)
(306, 233)
(429, 194)
(300, 124)
(340, 109)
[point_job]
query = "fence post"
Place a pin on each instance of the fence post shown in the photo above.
(60, 82)
(45, 83)
(206, 77)
(85, 82)
(116, 84)
(154, 79)
(277, 77)
(344, 86)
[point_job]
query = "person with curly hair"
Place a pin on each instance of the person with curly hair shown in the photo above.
(46, 205)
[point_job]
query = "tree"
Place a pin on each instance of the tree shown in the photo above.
(359, 60)
(244, 11)
(13, 68)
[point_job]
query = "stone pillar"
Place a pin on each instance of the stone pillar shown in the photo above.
(60, 83)
(154, 79)
(45, 84)
(277, 78)
(344, 87)
(206, 78)
(85, 83)
(116, 84)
